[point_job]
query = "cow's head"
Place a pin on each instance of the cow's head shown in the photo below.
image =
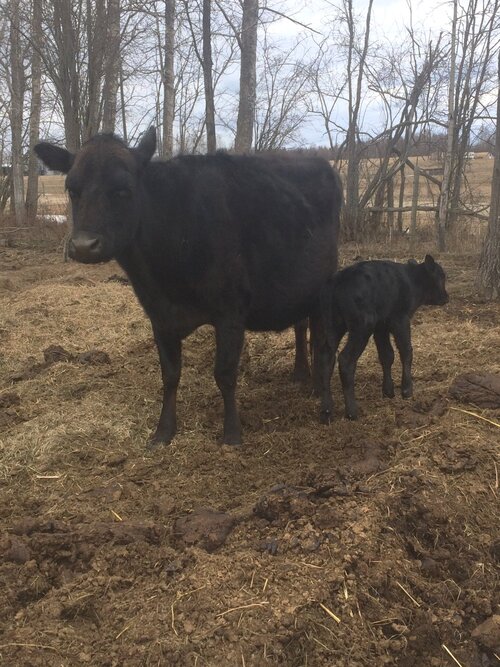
(103, 181)
(432, 280)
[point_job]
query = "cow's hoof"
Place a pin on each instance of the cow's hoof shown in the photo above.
(232, 439)
(407, 393)
(388, 393)
(232, 442)
(352, 415)
(157, 441)
(301, 375)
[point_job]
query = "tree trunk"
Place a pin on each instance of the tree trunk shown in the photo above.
(448, 160)
(248, 77)
(67, 76)
(96, 40)
(16, 118)
(489, 266)
(207, 77)
(351, 209)
(112, 67)
(36, 101)
(168, 80)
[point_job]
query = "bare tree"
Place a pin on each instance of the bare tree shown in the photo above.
(112, 67)
(327, 89)
(248, 45)
(281, 107)
(445, 188)
(17, 85)
(169, 80)
(489, 266)
(35, 107)
(207, 76)
(205, 59)
(355, 75)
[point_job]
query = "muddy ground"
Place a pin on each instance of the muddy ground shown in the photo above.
(358, 544)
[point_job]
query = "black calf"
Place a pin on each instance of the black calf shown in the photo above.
(378, 298)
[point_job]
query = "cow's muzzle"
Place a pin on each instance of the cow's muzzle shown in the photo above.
(87, 248)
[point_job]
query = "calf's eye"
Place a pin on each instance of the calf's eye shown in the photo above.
(121, 193)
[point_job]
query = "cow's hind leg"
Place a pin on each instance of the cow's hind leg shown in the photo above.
(169, 349)
(301, 372)
(229, 338)
(386, 358)
(348, 358)
(325, 340)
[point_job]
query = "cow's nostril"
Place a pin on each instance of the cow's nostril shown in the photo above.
(95, 245)
(86, 248)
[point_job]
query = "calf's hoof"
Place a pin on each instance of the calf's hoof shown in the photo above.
(407, 393)
(351, 414)
(388, 392)
(325, 417)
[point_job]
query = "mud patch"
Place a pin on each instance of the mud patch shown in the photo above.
(359, 544)
(481, 389)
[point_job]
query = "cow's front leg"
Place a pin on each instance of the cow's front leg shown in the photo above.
(169, 349)
(229, 338)
(301, 372)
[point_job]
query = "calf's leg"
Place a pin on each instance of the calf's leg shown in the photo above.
(348, 358)
(229, 338)
(169, 349)
(386, 358)
(402, 336)
(301, 370)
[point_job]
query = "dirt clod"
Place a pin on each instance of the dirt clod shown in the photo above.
(205, 528)
(480, 389)
(94, 357)
(488, 633)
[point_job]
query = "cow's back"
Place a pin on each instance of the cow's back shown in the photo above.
(258, 234)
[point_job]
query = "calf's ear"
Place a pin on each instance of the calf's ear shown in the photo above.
(429, 261)
(146, 147)
(54, 157)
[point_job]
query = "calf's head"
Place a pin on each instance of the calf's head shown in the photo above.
(103, 180)
(431, 280)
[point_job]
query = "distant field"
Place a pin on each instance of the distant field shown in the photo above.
(52, 195)
(478, 175)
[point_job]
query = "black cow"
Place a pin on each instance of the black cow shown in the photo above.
(238, 242)
(378, 298)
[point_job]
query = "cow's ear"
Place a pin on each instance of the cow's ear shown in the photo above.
(429, 261)
(54, 157)
(146, 147)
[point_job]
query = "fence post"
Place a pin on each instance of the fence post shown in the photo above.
(390, 205)
(414, 204)
(401, 198)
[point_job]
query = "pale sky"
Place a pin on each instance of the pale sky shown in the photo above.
(389, 21)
